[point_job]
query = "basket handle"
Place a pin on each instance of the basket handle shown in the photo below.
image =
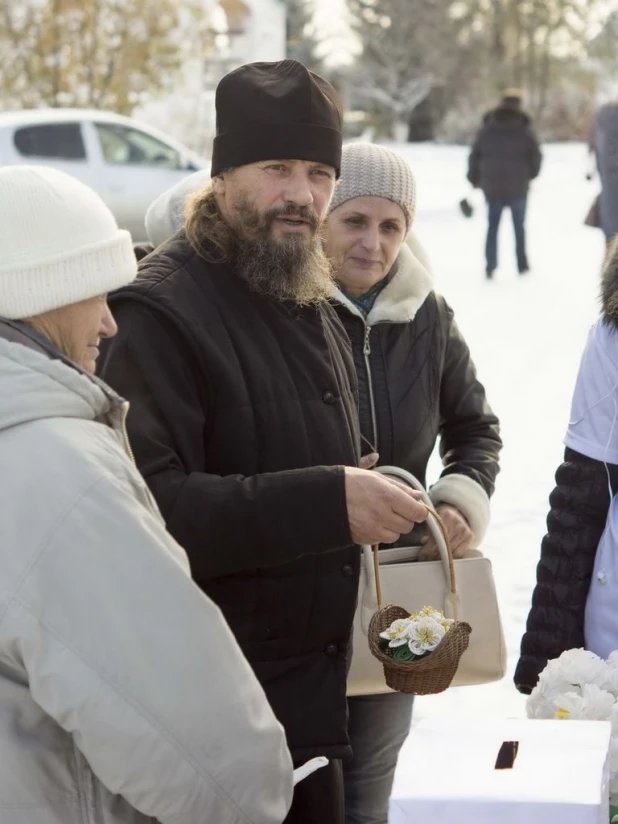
(437, 529)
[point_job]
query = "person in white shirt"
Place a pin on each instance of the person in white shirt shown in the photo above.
(575, 602)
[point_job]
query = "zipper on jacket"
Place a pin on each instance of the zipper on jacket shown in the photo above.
(372, 405)
(125, 435)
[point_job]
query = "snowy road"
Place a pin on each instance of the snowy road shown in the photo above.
(526, 336)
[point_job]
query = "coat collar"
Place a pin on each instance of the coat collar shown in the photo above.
(30, 360)
(404, 294)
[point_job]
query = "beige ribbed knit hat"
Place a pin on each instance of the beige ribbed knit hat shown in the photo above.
(59, 243)
(368, 170)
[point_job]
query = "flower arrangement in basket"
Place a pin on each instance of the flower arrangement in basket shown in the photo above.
(420, 652)
(580, 686)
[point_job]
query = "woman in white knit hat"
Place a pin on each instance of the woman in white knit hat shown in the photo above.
(417, 385)
(124, 697)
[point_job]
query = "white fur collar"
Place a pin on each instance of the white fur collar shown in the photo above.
(406, 292)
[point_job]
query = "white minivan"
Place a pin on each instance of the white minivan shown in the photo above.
(127, 162)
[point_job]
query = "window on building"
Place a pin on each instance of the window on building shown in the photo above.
(124, 146)
(61, 141)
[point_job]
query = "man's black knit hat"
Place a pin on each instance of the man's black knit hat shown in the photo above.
(276, 111)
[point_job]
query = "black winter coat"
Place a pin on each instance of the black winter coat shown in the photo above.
(417, 383)
(505, 156)
(579, 505)
(243, 413)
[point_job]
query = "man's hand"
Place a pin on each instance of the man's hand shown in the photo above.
(369, 461)
(459, 534)
(379, 509)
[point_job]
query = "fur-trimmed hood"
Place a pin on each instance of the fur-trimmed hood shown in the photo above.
(609, 286)
(405, 293)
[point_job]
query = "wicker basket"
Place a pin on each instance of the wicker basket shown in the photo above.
(434, 672)
(428, 675)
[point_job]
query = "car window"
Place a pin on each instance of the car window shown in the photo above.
(62, 141)
(122, 145)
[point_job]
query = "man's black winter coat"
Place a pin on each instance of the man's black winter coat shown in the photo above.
(243, 413)
(505, 156)
(579, 505)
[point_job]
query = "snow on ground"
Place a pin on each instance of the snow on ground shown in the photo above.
(526, 335)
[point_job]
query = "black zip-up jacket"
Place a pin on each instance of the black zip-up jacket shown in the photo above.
(243, 414)
(412, 359)
(579, 505)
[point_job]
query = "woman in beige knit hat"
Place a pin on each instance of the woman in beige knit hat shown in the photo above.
(417, 386)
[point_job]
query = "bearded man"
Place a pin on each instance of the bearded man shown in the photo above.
(243, 415)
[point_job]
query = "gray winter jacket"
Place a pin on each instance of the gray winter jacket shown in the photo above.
(124, 697)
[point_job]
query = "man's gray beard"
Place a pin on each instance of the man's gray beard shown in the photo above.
(294, 268)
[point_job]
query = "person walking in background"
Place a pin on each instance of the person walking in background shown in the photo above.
(125, 697)
(504, 159)
(604, 145)
(417, 385)
(244, 418)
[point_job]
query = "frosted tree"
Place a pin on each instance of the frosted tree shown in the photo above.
(408, 49)
(301, 35)
(530, 43)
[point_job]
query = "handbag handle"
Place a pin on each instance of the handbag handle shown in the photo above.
(436, 527)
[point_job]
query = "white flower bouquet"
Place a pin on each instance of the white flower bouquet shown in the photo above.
(580, 686)
(411, 638)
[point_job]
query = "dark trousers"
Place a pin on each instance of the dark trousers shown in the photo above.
(319, 798)
(378, 725)
(518, 211)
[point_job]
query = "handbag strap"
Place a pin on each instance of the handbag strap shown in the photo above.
(437, 528)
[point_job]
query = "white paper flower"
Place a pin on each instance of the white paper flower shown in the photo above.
(568, 674)
(397, 633)
(424, 635)
(539, 706)
(571, 671)
(580, 686)
(593, 704)
(429, 611)
(611, 682)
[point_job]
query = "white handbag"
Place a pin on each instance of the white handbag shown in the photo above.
(415, 584)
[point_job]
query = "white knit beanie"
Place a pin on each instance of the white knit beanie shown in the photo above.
(166, 214)
(368, 170)
(59, 243)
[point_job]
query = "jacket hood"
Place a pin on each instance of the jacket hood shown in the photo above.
(166, 214)
(35, 386)
(506, 117)
(609, 286)
(405, 293)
